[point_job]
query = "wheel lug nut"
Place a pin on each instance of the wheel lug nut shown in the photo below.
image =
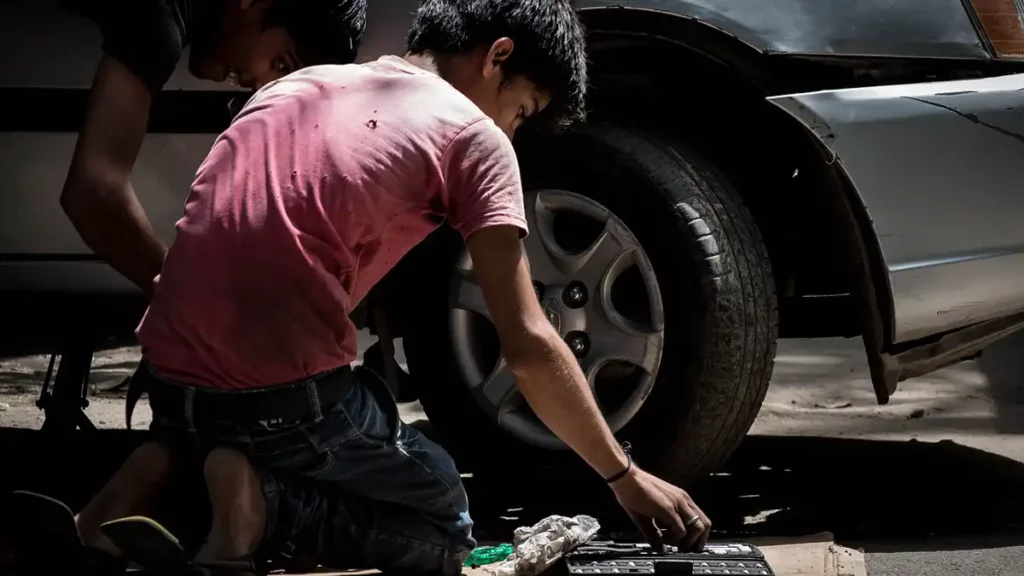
(578, 342)
(575, 295)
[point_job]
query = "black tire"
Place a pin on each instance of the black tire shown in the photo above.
(721, 321)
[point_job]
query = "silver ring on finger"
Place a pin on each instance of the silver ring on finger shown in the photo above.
(691, 521)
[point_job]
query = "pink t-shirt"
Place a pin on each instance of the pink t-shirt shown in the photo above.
(322, 183)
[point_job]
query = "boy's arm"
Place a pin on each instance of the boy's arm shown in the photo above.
(143, 41)
(545, 370)
(98, 196)
(549, 378)
(485, 204)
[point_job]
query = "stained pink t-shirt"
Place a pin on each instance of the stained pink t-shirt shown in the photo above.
(322, 183)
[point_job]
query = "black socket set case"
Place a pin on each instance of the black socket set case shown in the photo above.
(610, 558)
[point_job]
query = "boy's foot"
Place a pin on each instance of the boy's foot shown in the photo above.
(44, 539)
(147, 543)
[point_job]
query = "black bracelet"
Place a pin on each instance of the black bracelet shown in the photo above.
(629, 465)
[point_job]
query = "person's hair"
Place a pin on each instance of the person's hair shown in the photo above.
(325, 31)
(550, 47)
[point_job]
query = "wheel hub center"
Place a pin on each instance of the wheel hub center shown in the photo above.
(562, 317)
(552, 312)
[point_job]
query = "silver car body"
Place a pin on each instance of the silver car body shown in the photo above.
(936, 167)
(939, 168)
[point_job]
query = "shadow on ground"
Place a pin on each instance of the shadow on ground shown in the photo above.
(1002, 366)
(856, 489)
(778, 486)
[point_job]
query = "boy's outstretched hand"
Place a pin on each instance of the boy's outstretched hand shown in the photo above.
(650, 502)
(549, 378)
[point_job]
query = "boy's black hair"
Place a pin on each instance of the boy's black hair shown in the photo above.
(550, 48)
(325, 31)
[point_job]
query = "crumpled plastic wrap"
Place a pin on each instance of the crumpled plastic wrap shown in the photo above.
(539, 546)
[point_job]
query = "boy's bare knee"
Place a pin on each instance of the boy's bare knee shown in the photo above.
(225, 461)
(155, 457)
(232, 483)
(239, 507)
(141, 475)
(132, 490)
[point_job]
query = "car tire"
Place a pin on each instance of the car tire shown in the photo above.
(720, 310)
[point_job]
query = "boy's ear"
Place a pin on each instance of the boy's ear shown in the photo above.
(497, 55)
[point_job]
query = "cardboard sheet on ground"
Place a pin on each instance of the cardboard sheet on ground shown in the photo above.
(815, 555)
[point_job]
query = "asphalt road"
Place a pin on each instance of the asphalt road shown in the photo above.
(929, 484)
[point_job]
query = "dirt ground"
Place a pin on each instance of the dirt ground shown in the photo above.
(819, 388)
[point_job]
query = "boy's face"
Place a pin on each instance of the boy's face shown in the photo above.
(242, 50)
(508, 101)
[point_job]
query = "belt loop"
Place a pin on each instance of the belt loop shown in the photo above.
(190, 421)
(314, 400)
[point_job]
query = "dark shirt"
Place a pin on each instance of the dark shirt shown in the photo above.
(147, 36)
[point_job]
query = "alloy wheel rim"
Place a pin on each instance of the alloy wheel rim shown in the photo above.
(616, 333)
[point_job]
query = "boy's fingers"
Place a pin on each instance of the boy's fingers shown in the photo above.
(676, 529)
(694, 524)
(649, 530)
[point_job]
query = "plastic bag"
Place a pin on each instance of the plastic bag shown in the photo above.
(489, 555)
(537, 547)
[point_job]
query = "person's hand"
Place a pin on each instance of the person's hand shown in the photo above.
(651, 501)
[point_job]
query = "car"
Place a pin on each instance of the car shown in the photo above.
(748, 171)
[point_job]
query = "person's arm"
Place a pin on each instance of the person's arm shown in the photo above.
(550, 379)
(545, 370)
(98, 196)
(485, 204)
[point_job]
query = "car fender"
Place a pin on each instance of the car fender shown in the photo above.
(937, 167)
(909, 28)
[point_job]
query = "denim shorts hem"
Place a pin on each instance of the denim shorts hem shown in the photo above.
(272, 497)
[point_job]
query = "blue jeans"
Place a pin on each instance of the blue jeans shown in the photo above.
(353, 486)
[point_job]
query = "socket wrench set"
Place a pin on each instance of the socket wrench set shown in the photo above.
(611, 558)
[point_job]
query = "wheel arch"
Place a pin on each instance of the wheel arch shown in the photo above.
(648, 69)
